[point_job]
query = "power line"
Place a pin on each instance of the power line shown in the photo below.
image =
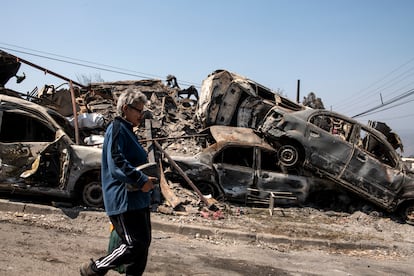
(393, 100)
(388, 108)
(118, 69)
(360, 96)
(397, 79)
(394, 82)
(382, 97)
(398, 117)
(81, 60)
(384, 77)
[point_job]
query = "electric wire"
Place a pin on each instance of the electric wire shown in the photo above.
(118, 70)
(393, 100)
(384, 109)
(397, 117)
(382, 95)
(384, 98)
(81, 60)
(367, 92)
(386, 90)
(114, 69)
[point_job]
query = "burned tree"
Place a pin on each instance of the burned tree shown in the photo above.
(312, 101)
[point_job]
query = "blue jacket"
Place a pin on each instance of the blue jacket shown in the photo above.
(121, 154)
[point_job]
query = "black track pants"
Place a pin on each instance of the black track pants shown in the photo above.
(134, 228)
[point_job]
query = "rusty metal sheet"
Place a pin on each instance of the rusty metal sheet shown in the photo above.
(237, 134)
(166, 191)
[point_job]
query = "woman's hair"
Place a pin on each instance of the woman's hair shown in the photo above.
(129, 97)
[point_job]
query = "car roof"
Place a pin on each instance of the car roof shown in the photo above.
(226, 134)
(307, 113)
(39, 109)
(20, 101)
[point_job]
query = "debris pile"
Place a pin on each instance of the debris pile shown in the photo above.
(170, 115)
(173, 124)
(169, 120)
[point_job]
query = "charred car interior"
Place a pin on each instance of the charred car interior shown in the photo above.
(332, 146)
(238, 165)
(236, 140)
(37, 156)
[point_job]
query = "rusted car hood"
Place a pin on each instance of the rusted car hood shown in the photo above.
(246, 135)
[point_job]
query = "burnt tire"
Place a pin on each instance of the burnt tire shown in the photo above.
(408, 213)
(288, 155)
(92, 195)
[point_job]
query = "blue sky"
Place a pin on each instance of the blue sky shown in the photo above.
(350, 53)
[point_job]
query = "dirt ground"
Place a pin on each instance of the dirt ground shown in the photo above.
(294, 241)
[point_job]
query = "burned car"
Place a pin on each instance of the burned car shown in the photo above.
(353, 155)
(37, 156)
(238, 165)
(230, 99)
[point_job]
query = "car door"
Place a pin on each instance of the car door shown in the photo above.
(31, 154)
(373, 170)
(234, 167)
(329, 149)
(290, 188)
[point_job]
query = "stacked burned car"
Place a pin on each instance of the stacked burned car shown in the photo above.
(238, 165)
(338, 148)
(260, 144)
(315, 142)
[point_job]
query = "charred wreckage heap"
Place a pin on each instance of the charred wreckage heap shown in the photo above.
(168, 119)
(221, 144)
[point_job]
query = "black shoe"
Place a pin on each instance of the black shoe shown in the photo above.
(86, 269)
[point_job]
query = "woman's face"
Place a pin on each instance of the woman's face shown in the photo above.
(134, 113)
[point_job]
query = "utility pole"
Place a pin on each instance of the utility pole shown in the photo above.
(298, 92)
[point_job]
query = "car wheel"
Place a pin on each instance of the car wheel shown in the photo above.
(92, 195)
(409, 213)
(288, 155)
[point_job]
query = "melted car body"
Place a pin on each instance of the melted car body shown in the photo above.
(336, 147)
(38, 157)
(240, 165)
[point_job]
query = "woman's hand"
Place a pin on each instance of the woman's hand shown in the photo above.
(149, 185)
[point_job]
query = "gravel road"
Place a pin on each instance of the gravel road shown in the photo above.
(294, 241)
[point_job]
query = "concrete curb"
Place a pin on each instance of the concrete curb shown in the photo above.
(196, 230)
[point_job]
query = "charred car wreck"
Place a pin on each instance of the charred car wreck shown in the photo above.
(336, 147)
(38, 157)
(259, 143)
(361, 158)
(230, 99)
(238, 165)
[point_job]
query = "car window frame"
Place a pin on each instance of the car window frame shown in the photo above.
(45, 123)
(346, 135)
(219, 154)
(392, 154)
